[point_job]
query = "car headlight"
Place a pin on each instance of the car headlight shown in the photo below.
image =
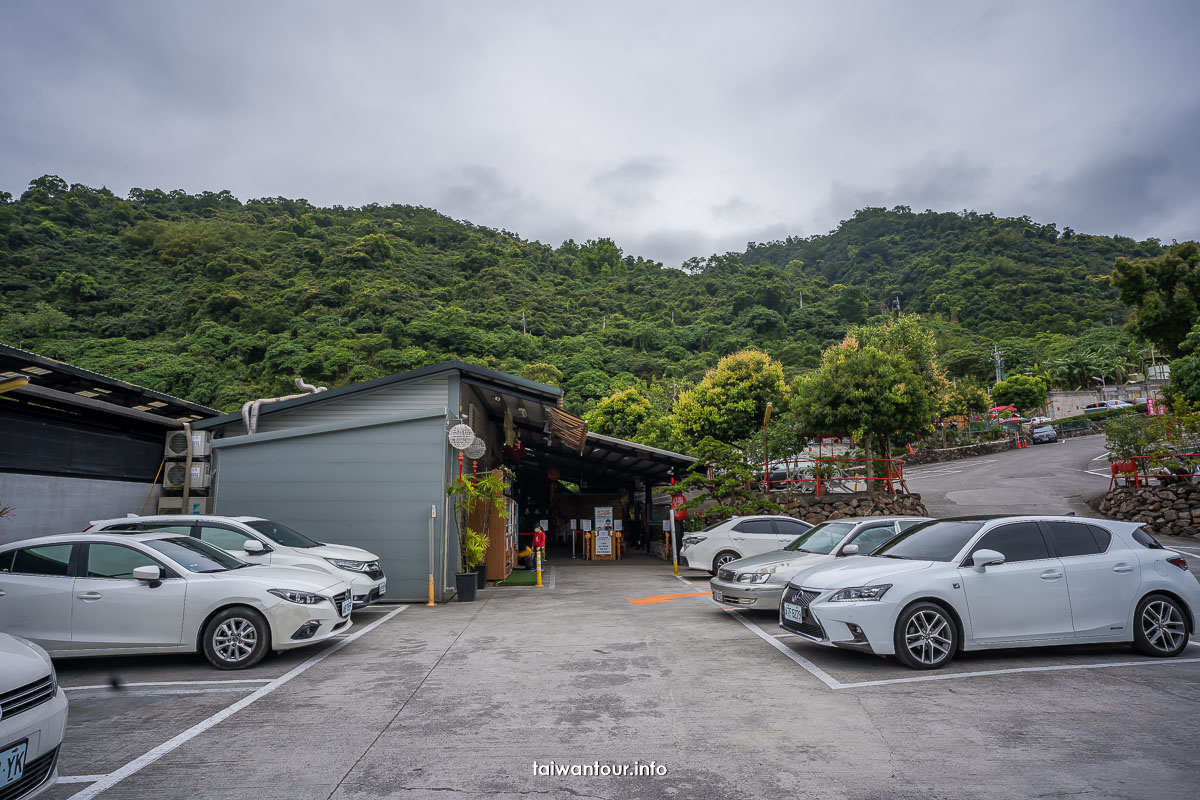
(859, 593)
(762, 576)
(296, 596)
(353, 566)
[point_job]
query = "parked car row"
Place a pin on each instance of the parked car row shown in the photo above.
(929, 589)
(232, 588)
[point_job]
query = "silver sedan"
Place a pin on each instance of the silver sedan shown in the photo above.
(759, 581)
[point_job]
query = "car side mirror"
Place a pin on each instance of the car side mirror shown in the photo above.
(253, 546)
(986, 558)
(150, 574)
(850, 550)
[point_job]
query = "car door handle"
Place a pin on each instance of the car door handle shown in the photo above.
(89, 596)
(1051, 575)
(1123, 568)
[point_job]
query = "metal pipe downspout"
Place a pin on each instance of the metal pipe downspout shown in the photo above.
(251, 408)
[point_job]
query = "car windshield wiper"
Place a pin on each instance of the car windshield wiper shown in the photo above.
(889, 555)
(214, 569)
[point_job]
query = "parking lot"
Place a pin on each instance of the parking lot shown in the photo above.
(462, 700)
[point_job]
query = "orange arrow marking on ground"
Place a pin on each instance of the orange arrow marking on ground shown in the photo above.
(664, 598)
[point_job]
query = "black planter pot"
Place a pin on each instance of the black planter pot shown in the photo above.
(481, 569)
(465, 583)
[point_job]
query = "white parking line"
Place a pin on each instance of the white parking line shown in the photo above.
(1015, 670)
(146, 759)
(166, 683)
(79, 778)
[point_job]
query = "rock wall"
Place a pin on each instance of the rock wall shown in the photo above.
(838, 505)
(1169, 510)
(955, 453)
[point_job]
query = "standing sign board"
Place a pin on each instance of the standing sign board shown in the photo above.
(603, 548)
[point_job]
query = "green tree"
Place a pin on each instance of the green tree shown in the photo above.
(1164, 292)
(1026, 393)
(542, 373)
(620, 414)
(720, 480)
(729, 401)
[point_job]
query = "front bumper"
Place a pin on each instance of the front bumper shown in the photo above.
(43, 726)
(292, 624)
(367, 590)
(867, 625)
(764, 596)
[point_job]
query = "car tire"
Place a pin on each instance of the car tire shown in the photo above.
(1159, 627)
(236, 638)
(925, 637)
(723, 558)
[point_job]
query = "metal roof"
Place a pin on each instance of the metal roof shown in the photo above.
(58, 384)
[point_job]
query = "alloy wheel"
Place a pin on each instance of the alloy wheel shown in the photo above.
(723, 559)
(928, 637)
(1163, 626)
(235, 639)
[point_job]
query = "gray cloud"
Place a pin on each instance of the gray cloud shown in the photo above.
(676, 128)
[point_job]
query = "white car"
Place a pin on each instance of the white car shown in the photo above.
(33, 718)
(89, 594)
(261, 541)
(979, 583)
(739, 537)
(759, 581)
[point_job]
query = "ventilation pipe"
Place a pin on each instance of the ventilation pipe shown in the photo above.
(251, 407)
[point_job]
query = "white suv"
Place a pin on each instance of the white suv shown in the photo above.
(739, 537)
(261, 541)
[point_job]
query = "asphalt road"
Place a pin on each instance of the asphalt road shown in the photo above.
(1046, 479)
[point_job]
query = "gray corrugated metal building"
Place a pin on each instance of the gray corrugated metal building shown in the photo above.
(368, 464)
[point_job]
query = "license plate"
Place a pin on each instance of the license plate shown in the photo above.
(383, 589)
(718, 597)
(347, 607)
(793, 613)
(12, 763)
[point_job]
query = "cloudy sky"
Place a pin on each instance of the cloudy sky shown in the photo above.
(677, 128)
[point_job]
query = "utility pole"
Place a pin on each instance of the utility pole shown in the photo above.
(800, 292)
(523, 328)
(998, 360)
(896, 304)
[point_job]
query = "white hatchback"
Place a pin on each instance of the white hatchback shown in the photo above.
(261, 541)
(33, 718)
(738, 537)
(91, 594)
(989, 582)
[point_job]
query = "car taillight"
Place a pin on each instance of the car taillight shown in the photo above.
(1178, 561)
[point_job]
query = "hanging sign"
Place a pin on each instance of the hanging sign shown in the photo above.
(604, 518)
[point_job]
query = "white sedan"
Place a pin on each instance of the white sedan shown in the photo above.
(88, 594)
(262, 541)
(33, 718)
(979, 583)
(738, 537)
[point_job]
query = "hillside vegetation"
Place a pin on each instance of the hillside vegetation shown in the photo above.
(218, 301)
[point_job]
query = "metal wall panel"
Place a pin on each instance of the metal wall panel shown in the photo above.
(369, 486)
(388, 400)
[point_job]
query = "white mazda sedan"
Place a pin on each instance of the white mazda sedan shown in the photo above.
(992, 582)
(263, 541)
(91, 594)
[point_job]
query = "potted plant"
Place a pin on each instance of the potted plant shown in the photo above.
(467, 494)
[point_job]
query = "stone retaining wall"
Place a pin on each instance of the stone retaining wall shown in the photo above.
(811, 508)
(1169, 510)
(955, 453)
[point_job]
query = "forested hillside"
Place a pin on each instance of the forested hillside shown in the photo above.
(219, 301)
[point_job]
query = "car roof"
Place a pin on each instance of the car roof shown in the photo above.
(985, 518)
(175, 517)
(67, 538)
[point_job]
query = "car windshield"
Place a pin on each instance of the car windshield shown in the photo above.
(822, 538)
(195, 555)
(1043, 429)
(940, 540)
(282, 534)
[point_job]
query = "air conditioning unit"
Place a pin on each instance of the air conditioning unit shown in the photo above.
(175, 472)
(195, 505)
(177, 442)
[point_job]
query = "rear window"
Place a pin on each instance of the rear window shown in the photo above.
(754, 526)
(1146, 540)
(1075, 539)
(51, 559)
(940, 540)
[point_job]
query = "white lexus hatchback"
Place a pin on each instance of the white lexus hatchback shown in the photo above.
(979, 583)
(92, 594)
(261, 541)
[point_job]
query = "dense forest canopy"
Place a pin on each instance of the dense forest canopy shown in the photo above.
(219, 301)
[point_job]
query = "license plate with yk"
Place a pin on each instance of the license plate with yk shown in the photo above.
(718, 597)
(383, 589)
(12, 763)
(793, 613)
(347, 607)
